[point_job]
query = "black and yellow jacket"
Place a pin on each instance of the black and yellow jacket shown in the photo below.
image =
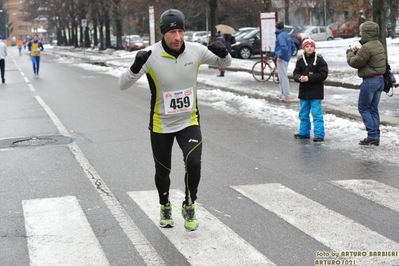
(172, 78)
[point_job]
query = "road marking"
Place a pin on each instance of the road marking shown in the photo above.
(31, 87)
(213, 244)
(53, 117)
(143, 247)
(26, 79)
(58, 233)
(326, 226)
(372, 190)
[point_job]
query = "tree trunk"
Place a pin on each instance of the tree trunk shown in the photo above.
(213, 4)
(393, 5)
(118, 19)
(286, 12)
(267, 6)
(379, 18)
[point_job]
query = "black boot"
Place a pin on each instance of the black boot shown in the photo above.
(221, 74)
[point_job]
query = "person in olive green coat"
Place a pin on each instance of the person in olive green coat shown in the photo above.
(370, 61)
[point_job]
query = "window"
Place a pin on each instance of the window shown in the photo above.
(322, 30)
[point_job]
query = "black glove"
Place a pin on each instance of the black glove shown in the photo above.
(218, 49)
(141, 58)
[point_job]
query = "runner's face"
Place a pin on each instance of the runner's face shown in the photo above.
(174, 39)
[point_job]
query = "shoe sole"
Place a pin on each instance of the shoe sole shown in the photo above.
(169, 225)
(191, 229)
(300, 137)
(369, 144)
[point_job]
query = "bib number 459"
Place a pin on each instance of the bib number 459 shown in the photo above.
(179, 103)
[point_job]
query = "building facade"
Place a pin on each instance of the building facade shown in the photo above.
(17, 28)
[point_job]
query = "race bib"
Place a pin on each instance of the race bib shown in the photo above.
(178, 101)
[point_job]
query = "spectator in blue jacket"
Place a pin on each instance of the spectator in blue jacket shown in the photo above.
(282, 53)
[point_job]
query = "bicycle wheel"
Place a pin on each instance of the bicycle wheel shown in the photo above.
(275, 76)
(257, 71)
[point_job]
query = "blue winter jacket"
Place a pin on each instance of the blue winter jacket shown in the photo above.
(283, 47)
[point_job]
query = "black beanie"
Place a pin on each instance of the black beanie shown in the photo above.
(280, 25)
(171, 19)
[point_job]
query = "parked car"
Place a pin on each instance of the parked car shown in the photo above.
(246, 45)
(348, 29)
(201, 37)
(136, 43)
(188, 35)
(293, 32)
(317, 33)
(243, 31)
(334, 28)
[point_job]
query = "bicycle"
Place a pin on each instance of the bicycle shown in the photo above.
(266, 68)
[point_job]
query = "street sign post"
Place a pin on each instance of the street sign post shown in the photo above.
(84, 25)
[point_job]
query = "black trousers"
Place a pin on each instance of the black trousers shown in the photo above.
(2, 66)
(190, 142)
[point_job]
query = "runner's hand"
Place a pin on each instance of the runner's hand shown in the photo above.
(218, 49)
(141, 58)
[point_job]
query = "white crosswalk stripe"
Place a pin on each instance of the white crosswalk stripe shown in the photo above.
(326, 226)
(218, 243)
(59, 234)
(372, 190)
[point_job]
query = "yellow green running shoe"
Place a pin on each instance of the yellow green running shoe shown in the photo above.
(166, 219)
(190, 221)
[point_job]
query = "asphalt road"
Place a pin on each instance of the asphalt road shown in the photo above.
(80, 190)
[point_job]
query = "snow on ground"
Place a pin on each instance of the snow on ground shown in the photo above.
(341, 133)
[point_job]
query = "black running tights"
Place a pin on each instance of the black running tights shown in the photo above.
(190, 142)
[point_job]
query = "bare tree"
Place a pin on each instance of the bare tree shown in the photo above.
(379, 18)
(393, 15)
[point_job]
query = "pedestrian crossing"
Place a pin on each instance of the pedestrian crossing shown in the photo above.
(216, 241)
(59, 234)
(326, 226)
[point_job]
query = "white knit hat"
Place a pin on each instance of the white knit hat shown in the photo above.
(308, 41)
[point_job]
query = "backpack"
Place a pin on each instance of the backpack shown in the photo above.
(389, 80)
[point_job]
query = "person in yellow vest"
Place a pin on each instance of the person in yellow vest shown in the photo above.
(35, 47)
(19, 45)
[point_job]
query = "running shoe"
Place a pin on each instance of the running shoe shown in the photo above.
(188, 213)
(298, 136)
(166, 219)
